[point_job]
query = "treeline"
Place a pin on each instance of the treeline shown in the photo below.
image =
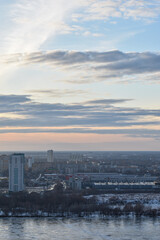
(58, 203)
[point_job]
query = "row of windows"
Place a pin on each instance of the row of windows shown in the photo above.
(16, 161)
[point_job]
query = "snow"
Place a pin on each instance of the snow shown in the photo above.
(149, 200)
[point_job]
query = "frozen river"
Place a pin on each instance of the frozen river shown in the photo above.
(77, 229)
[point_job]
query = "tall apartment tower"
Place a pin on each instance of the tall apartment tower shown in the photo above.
(16, 172)
(50, 156)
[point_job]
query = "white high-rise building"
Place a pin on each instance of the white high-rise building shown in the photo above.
(50, 156)
(30, 162)
(16, 172)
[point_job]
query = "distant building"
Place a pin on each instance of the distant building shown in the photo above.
(30, 162)
(43, 167)
(50, 156)
(75, 183)
(4, 159)
(16, 172)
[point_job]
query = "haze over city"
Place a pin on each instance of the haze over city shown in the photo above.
(81, 77)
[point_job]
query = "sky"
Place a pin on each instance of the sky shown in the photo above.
(80, 75)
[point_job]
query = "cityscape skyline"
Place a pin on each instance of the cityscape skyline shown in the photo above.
(83, 77)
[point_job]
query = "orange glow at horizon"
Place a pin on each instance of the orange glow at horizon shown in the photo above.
(74, 141)
(64, 137)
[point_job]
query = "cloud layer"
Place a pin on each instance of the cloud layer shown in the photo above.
(105, 9)
(33, 22)
(95, 66)
(102, 116)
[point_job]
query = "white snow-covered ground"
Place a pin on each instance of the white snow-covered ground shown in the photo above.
(150, 200)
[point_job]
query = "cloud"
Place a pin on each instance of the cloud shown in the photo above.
(91, 66)
(58, 93)
(135, 63)
(106, 9)
(125, 9)
(134, 133)
(13, 99)
(106, 101)
(100, 116)
(73, 57)
(32, 23)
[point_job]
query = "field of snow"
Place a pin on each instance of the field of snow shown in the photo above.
(150, 200)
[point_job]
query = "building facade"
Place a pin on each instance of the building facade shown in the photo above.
(50, 156)
(16, 172)
(4, 160)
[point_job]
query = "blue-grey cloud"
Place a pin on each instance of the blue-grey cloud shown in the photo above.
(134, 133)
(106, 65)
(80, 117)
(13, 99)
(58, 92)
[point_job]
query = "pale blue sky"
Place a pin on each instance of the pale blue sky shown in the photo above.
(75, 53)
(123, 34)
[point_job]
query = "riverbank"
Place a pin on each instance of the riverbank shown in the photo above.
(62, 204)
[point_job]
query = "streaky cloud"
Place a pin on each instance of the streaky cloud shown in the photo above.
(97, 66)
(18, 111)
